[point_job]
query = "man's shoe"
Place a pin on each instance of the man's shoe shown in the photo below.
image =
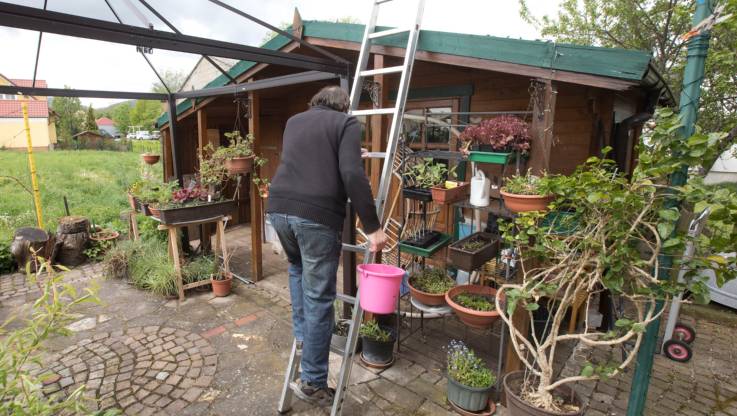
(320, 396)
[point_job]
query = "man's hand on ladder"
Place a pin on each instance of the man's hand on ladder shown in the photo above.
(377, 240)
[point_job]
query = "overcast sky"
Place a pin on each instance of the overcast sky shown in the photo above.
(88, 64)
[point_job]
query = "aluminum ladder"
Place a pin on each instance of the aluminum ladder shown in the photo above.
(397, 112)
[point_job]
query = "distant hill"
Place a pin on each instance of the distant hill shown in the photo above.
(107, 111)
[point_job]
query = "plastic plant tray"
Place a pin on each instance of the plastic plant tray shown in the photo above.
(489, 157)
(425, 252)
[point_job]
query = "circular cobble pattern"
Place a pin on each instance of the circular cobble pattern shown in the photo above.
(144, 371)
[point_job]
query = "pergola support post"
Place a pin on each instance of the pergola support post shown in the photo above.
(257, 214)
(175, 159)
(543, 115)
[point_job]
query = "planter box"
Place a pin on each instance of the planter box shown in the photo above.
(443, 195)
(469, 261)
(196, 213)
(409, 246)
(418, 194)
(496, 158)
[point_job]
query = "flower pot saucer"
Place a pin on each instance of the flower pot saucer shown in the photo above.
(440, 309)
(490, 410)
(376, 365)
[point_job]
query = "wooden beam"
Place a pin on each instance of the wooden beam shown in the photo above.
(488, 65)
(166, 153)
(543, 116)
(254, 127)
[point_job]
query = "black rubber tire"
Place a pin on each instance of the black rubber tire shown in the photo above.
(688, 330)
(677, 350)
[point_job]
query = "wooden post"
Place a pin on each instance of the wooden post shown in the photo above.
(173, 138)
(254, 127)
(543, 116)
(377, 125)
(174, 247)
(521, 321)
(202, 141)
(166, 153)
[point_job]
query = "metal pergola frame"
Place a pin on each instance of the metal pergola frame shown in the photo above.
(330, 66)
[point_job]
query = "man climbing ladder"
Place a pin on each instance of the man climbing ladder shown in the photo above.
(317, 324)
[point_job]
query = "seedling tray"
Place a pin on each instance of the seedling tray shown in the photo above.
(469, 261)
(419, 194)
(489, 157)
(407, 247)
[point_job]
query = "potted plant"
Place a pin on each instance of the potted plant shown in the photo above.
(238, 154)
(340, 333)
(429, 285)
(474, 305)
(150, 158)
(421, 176)
(378, 344)
(473, 251)
(212, 171)
(192, 204)
(133, 190)
(470, 381)
(160, 197)
(222, 282)
(624, 241)
(522, 193)
(496, 138)
(450, 191)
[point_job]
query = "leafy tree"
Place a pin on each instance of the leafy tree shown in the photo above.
(145, 113)
(654, 26)
(68, 111)
(89, 123)
(121, 116)
(173, 80)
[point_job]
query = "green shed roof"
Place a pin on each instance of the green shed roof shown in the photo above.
(618, 63)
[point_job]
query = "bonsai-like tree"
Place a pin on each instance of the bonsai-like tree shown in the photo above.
(623, 227)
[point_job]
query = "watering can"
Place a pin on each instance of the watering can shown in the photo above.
(480, 185)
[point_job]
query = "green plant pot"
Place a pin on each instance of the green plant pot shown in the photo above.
(473, 399)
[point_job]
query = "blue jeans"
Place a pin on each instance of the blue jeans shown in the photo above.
(313, 251)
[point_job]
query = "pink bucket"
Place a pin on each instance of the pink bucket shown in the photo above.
(379, 287)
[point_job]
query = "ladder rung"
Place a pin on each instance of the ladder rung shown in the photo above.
(354, 248)
(389, 32)
(373, 111)
(345, 298)
(377, 155)
(387, 70)
(382, 1)
(336, 349)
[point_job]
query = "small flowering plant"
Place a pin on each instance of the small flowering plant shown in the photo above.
(505, 133)
(466, 368)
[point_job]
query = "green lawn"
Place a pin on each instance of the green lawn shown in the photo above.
(94, 183)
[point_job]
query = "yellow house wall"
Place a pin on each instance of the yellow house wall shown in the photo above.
(12, 135)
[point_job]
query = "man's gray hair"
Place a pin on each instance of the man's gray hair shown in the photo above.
(333, 97)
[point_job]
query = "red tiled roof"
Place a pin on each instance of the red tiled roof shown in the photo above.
(28, 82)
(12, 108)
(104, 121)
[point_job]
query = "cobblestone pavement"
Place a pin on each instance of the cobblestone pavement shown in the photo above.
(705, 386)
(226, 356)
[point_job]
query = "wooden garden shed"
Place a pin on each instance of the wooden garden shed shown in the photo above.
(578, 100)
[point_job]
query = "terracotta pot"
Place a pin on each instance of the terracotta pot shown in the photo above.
(154, 211)
(104, 235)
(429, 299)
(524, 203)
(470, 317)
(150, 159)
(239, 165)
(222, 287)
(518, 407)
(442, 195)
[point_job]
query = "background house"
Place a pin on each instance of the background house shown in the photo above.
(41, 120)
(107, 125)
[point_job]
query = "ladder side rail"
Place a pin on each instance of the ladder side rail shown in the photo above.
(363, 56)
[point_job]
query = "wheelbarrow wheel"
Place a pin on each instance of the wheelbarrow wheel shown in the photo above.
(684, 332)
(677, 350)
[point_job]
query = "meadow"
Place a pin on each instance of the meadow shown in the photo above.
(93, 181)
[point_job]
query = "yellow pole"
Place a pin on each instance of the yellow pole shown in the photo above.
(32, 167)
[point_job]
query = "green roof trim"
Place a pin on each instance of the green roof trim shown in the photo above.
(617, 63)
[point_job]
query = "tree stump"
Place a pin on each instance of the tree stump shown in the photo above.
(27, 239)
(74, 237)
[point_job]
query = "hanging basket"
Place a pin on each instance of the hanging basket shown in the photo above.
(151, 159)
(239, 165)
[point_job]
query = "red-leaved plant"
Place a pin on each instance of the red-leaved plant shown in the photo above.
(505, 133)
(184, 195)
